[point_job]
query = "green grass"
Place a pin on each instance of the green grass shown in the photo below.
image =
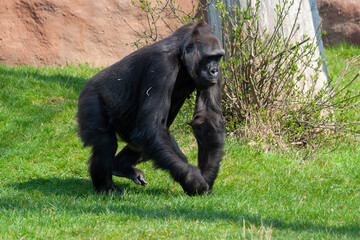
(337, 57)
(46, 193)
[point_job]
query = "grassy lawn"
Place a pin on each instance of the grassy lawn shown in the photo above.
(46, 193)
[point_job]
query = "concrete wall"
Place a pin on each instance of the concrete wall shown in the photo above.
(308, 20)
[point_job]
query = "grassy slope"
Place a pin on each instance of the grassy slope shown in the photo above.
(45, 191)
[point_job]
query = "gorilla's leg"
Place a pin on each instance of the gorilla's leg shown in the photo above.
(96, 130)
(123, 166)
(101, 164)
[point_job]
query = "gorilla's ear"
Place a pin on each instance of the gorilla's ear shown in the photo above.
(190, 55)
(189, 48)
(190, 38)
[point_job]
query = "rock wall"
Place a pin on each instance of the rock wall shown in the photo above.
(340, 20)
(58, 32)
(98, 32)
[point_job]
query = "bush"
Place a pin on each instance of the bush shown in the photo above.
(269, 98)
(165, 13)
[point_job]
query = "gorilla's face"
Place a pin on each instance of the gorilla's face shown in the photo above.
(209, 70)
(202, 57)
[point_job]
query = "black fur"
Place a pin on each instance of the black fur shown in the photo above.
(138, 98)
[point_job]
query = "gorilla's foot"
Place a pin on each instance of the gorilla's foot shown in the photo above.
(134, 174)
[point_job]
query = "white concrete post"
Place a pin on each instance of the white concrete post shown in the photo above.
(308, 20)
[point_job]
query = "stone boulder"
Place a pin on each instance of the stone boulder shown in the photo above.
(340, 20)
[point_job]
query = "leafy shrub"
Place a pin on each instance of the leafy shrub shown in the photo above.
(272, 93)
(269, 97)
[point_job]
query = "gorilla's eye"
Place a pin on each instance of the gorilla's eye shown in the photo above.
(215, 58)
(189, 47)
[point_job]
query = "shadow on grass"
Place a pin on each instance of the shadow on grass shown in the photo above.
(78, 187)
(66, 79)
(73, 187)
(40, 109)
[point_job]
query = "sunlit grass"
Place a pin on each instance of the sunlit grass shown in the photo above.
(46, 193)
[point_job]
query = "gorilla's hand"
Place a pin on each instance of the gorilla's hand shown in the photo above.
(194, 183)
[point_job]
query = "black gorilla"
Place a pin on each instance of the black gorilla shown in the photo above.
(138, 98)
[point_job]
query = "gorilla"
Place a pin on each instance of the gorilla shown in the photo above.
(138, 98)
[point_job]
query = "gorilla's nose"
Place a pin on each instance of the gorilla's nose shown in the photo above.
(214, 71)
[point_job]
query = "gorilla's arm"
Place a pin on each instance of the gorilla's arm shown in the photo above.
(209, 131)
(153, 137)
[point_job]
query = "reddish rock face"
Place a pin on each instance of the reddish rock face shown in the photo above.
(40, 32)
(340, 20)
